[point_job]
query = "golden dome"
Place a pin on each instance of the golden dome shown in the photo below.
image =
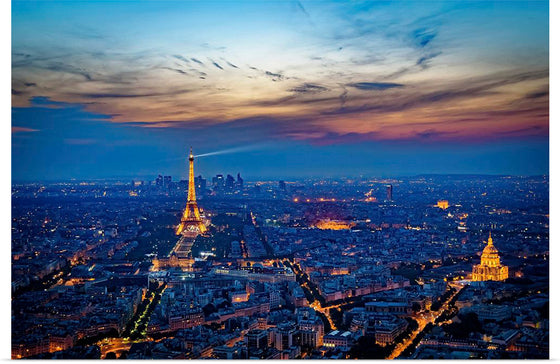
(490, 249)
(490, 268)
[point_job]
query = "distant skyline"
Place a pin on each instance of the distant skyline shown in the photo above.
(123, 89)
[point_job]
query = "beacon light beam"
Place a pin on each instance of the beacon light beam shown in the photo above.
(219, 152)
(232, 150)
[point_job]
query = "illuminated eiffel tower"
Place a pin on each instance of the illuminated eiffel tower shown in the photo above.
(191, 223)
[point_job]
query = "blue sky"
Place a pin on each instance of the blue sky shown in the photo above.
(122, 89)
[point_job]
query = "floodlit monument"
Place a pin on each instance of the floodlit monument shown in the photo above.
(490, 268)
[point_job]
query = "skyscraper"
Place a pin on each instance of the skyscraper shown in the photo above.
(389, 192)
(239, 182)
(159, 181)
(166, 181)
(200, 184)
(230, 182)
(218, 182)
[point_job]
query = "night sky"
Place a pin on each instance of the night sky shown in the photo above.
(295, 89)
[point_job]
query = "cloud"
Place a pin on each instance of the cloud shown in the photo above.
(200, 73)
(322, 106)
(19, 54)
(302, 9)
(112, 95)
(530, 130)
(378, 86)
(400, 72)
(463, 89)
(68, 68)
(51, 63)
(434, 134)
(176, 70)
(217, 65)
(231, 65)
(274, 76)
(343, 97)
(537, 94)
(308, 88)
(20, 129)
(423, 36)
(350, 92)
(181, 58)
(197, 61)
(45, 101)
(424, 61)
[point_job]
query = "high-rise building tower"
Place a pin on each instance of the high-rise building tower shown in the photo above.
(389, 192)
(218, 182)
(239, 182)
(200, 184)
(191, 223)
(166, 181)
(230, 182)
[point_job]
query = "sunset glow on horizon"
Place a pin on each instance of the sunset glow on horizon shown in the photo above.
(317, 74)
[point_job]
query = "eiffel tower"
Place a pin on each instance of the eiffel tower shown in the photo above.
(191, 223)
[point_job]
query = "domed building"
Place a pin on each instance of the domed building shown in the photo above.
(489, 268)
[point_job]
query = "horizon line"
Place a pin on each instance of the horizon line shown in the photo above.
(287, 178)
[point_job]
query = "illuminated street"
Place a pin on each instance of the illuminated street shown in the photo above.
(423, 319)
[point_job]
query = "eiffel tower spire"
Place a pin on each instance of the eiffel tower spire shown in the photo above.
(191, 223)
(192, 192)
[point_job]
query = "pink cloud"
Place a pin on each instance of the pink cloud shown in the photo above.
(19, 129)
